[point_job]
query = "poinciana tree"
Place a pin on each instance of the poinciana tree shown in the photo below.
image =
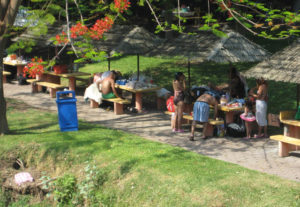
(95, 17)
(43, 13)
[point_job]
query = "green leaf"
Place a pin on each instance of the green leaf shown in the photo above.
(219, 33)
(205, 27)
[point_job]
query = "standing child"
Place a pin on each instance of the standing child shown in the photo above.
(248, 117)
(179, 88)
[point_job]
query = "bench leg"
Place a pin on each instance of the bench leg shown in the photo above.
(4, 78)
(160, 103)
(209, 130)
(284, 149)
(34, 88)
(53, 92)
(138, 101)
(93, 103)
(118, 108)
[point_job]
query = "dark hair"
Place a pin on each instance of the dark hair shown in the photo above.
(177, 75)
(261, 81)
(233, 72)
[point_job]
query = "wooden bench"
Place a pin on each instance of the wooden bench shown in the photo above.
(5, 73)
(118, 104)
(210, 125)
(286, 144)
(53, 87)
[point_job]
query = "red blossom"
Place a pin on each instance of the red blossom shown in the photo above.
(121, 5)
(34, 68)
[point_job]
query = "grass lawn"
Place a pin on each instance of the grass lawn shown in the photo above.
(135, 171)
(282, 95)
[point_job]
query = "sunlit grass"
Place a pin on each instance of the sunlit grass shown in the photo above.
(139, 172)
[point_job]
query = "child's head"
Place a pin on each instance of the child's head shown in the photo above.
(179, 76)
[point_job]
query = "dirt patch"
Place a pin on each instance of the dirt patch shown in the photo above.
(9, 167)
(17, 105)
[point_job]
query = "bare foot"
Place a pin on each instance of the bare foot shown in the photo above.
(191, 138)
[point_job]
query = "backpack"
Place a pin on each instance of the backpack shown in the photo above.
(236, 130)
(170, 104)
(22, 80)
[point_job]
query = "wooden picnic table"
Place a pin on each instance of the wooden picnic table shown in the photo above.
(4, 74)
(19, 64)
(229, 112)
(55, 78)
(138, 94)
(290, 140)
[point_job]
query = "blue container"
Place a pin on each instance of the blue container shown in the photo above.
(121, 82)
(67, 111)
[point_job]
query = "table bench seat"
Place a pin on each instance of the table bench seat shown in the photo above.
(210, 125)
(286, 144)
(53, 87)
(118, 104)
(4, 74)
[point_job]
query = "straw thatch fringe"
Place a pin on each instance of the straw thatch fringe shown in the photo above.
(282, 66)
(237, 48)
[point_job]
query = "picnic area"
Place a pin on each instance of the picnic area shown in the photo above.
(193, 111)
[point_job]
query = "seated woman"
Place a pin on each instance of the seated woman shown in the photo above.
(237, 84)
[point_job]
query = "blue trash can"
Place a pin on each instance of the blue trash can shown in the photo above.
(67, 111)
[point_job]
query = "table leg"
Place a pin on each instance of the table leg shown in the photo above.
(138, 101)
(160, 103)
(19, 70)
(229, 117)
(72, 83)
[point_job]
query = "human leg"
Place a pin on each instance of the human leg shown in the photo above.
(193, 130)
(176, 118)
(204, 130)
(180, 106)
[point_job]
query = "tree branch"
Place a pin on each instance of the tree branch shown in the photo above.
(81, 18)
(68, 30)
(154, 14)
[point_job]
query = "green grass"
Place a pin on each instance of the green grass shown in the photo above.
(282, 95)
(139, 172)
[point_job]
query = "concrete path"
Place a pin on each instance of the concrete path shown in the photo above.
(256, 154)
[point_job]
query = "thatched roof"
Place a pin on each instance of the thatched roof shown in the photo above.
(195, 47)
(282, 66)
(138, 40)
(42, 40)
(237, 48)
(206, 46)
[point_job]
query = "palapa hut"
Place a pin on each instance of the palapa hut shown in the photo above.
(206, 46)
(137, 41)
(237, 48)
(282, 66)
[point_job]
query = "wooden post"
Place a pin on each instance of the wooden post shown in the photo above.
(189, 73)
(298, 91)
(108, 60)
(138, 67)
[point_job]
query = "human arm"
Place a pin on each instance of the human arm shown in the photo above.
(114, 89)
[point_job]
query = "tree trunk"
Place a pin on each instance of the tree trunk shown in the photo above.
(8, 12)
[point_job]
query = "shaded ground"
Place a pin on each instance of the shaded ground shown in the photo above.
(261, 155)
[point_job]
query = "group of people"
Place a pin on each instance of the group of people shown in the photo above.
(255, 103)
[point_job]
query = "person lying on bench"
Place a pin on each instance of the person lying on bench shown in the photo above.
(201, 112)
(108, 87)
